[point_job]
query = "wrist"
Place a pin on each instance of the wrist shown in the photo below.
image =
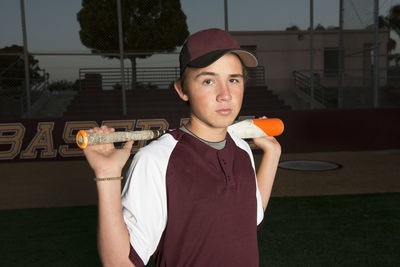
(275, 150)
(271, 155)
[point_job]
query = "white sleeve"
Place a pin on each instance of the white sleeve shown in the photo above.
(243, 145)
(144, 200)
(260, 209)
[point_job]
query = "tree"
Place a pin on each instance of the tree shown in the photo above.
(293, 28)
(12, 71)
(63, 85)
(391, 22)
(148, 26)
(319, 27)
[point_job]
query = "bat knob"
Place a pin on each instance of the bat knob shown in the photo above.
(82, 139)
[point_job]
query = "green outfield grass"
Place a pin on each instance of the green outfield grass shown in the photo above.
(354, 230)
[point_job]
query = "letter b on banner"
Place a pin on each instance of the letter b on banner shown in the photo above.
(11, 134)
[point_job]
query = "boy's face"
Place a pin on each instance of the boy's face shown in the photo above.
(215, 92)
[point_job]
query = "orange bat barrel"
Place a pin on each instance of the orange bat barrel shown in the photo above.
(272, 127)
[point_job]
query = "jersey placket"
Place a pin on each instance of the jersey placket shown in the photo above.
(226, 162)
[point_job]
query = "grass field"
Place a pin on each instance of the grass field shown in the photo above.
(350, 230)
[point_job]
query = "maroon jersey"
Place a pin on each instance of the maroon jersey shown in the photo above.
(192, 205)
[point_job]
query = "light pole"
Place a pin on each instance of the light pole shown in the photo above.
(121, 57)
(376, 54)
(311, 54)
(26, 59)
(226, 14)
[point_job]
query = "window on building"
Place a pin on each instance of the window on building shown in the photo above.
(331, 61)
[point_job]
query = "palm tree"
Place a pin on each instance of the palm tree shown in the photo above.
(391, 22)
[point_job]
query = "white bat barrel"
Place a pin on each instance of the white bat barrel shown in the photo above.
(246, 129)
(84, 139)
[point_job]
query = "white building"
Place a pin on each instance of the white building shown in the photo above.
(283, 52)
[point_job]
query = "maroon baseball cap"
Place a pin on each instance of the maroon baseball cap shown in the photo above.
(205, 47)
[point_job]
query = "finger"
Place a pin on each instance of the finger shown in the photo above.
(128, 146)
(107, 130)
(103, 129)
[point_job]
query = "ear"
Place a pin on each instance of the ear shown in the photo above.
(179, 89)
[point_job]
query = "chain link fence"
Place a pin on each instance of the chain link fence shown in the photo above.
(65, 39)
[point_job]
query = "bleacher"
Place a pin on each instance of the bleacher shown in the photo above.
(160, 102)
(139, 102)
(95, 99)
(261, 100)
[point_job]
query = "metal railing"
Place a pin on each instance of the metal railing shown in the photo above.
(39, 90)
(357, 85)
(303, 88)
(147, 77)
(256, 76)
(110, 78)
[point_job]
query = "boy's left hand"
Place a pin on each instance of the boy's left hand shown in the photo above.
(268, 144)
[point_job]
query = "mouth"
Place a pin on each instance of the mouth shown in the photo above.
(224, 111)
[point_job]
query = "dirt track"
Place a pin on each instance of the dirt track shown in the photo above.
(69, 183)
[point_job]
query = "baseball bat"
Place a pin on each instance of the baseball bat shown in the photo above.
(250, 128)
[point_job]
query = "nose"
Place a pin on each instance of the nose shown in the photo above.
(224, 93)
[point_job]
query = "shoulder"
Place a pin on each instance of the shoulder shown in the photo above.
(150, 162)
(241, 143)
(154, 156)
(160, 147)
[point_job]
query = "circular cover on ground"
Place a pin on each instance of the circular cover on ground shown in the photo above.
(308, 165)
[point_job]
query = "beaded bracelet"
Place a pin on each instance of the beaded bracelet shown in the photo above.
(108, 179)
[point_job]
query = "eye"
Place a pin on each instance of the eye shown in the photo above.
(208, 82)
(234, 80)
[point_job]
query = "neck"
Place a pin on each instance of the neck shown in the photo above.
(206, 132)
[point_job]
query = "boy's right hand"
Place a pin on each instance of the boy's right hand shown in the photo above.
(105, 159)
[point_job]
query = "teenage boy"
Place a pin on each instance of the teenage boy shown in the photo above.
(192, 197)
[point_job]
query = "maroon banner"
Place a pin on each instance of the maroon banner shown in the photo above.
(54, 139)
(305, 131)
(37, 139)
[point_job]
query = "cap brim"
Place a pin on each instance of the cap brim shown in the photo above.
(248, 59)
